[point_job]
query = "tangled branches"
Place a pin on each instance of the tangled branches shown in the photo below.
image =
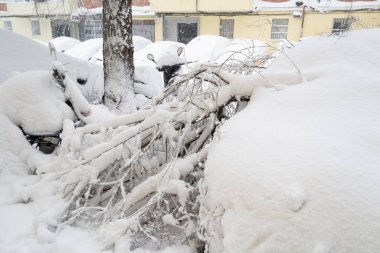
(139, 174)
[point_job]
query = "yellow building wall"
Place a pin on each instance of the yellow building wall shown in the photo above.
(321, 24)
(23, 26)
(224, 5)
(173, 5)
(258, 26)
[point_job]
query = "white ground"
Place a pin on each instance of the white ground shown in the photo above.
(298, 169)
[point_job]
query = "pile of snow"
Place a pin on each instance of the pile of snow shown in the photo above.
(61, 44)
(205, 48)
(86, 49)
(138, 44)
(298, 169)
(241, 49)
(158, 50)
(19, 54)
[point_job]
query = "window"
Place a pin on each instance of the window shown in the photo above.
(36, 27)
(8, 25)
(279, 29)
(341, 25)
(93, 27)
(227, 28)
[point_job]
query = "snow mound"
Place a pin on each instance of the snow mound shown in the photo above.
(158, 50)
(241, 49)
(298, 170)
(205, 48)
(63, 43)
(86, 49)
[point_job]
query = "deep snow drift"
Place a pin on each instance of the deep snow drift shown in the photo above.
(298, 170)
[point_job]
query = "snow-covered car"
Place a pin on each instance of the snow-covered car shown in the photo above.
(86, 49)
(205, 48)
(63, 43)
(138, 44)
(241, 49)
(19, 54)
(158, 50)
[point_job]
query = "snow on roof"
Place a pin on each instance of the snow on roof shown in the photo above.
(298, 169)
(319, 5)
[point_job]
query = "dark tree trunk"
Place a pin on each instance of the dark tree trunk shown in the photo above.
(118, 56)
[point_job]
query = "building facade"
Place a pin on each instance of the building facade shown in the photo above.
(182, 20)
(267, 20)
(80, 19)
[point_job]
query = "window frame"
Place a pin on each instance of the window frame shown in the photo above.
(36, 27)
(7, 24)
(279, 29)
(227, 28)
(341, 29)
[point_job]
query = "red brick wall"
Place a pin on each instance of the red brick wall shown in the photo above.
(3, 7)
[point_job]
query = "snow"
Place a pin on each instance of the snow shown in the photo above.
(63, 43)
(319, 5)
(297, 170)
(205, 48)
(158, 50)
(19, 54)
(86, 49)
(241, 49)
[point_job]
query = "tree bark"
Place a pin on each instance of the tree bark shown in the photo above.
(118, 56)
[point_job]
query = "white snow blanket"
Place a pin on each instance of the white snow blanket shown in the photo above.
(299, 169)
(19, 54)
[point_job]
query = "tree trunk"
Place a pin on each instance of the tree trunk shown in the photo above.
(118, 56)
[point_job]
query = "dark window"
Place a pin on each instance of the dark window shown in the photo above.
(186, 32)
(227, 28)
(341, 25)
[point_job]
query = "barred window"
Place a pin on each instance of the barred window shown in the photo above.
(341, 25)
(8, 25)
(227, 28)
(36, 27)
(279, 29)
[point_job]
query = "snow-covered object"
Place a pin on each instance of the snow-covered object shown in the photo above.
(298, 170)
(86, 49)
(20, 54)
(138, 44)
(242, 49)
(36, 101)
(205, 48)
(319, 5)
(63, 43)
(152, 81)
(158, 50)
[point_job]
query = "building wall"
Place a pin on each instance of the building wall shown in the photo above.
(173, 5)
(258, 26)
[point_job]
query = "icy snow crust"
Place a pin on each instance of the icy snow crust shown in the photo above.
(298, 170)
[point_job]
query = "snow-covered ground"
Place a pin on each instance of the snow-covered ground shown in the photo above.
(298, 169)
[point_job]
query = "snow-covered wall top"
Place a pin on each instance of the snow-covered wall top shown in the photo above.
(319, 5)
